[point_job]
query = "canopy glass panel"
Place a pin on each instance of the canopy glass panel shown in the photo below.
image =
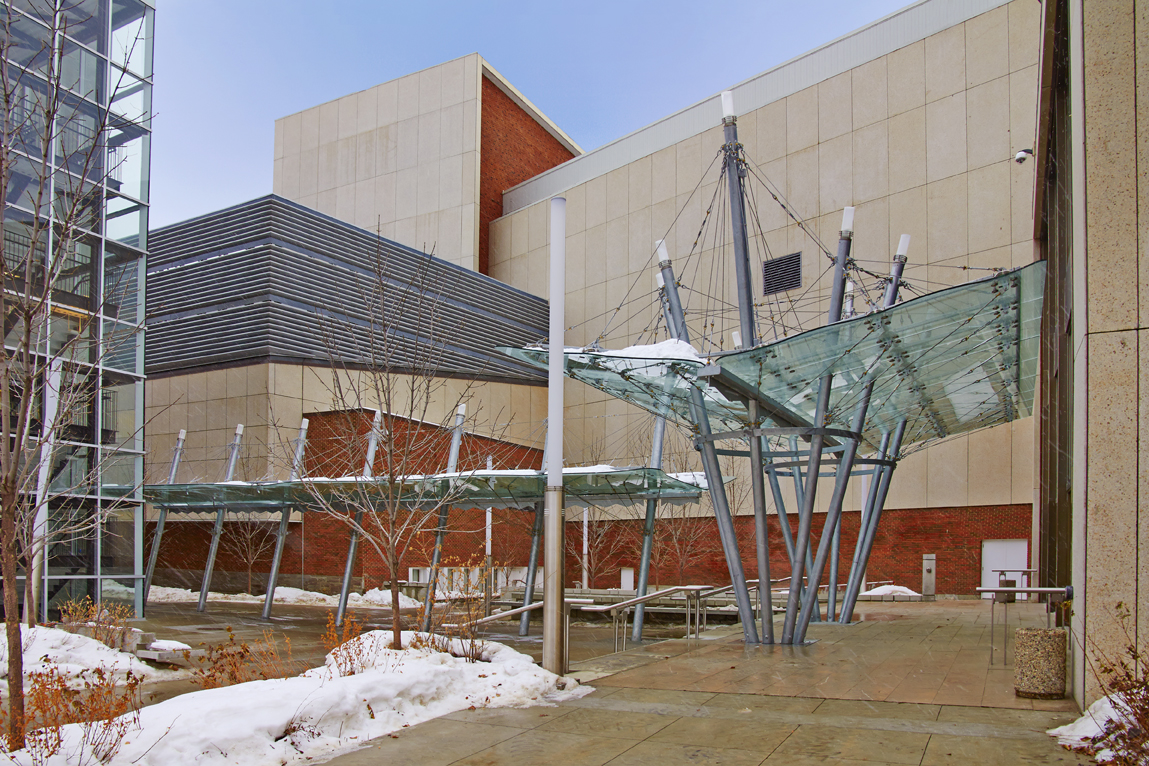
(474, 489)
(948, 362)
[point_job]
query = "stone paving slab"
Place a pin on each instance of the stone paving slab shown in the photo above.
(878, 692)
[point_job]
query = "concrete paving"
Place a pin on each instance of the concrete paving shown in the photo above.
(909, 684)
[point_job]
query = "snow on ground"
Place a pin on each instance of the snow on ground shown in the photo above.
(72, 654)
(890, 590)
(319, 714)
(1090, 725)
(283, 595)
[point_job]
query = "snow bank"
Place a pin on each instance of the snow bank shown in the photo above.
(1091, 725)
(381, 598)
(319, 714)
(374, 598)
(72, 654)
(890, 590)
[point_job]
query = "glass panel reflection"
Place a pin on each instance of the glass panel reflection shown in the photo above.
(127, 221)
(75, 272)
(77, 203)
(82, 71)
(131, 97)
(79, 133)
(71, 470)
(132, 36)
(119, 401)
(123, 347)
(121, 474)
(128, 159)
(123, 271)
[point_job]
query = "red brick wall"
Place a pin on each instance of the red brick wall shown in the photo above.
(513, 147)
(954, 535)
(318, 547)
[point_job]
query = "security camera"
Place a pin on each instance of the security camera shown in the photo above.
(1022, 156)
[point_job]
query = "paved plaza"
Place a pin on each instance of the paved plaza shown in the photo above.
(909, 684)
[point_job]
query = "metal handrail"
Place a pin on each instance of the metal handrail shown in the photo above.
(568, 604)
(642, 599)
(580, 602)
(1066, 593)
(623, 608)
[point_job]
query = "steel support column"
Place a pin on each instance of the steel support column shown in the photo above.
(710, 465)
(154, 553)
(217, 531)
(833, 516)
(441, 530)
(276, 560)
(285, 517)
(761, 537)
(852, 588)
(348, 568)
(814, 463)
(648, 530)
(532, 569)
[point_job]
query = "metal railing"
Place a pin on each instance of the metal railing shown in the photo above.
(622, 609)
(1004, 595)
(568, 604)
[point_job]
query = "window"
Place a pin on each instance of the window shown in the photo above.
(782, 274)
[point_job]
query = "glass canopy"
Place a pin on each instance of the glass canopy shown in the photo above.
(948, 362)
(597, 486)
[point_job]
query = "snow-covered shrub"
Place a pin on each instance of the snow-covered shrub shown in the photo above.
(1115, 729)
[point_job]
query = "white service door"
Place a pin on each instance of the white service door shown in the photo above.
(627, 578)
(1003, 554)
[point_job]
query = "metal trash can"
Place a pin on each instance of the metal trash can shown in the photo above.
(1039, 663)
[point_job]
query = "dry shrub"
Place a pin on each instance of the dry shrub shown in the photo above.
(237, 662)
(104, 710)
(467, 582)
(1125, 679)
(105, 622)
(351, 652)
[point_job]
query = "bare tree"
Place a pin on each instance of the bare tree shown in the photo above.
(608, 537)
(392, 379)
(54, 160)
(249, 536)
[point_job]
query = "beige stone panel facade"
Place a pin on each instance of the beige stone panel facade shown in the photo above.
(1111, 489)
(920, 141)
(398, 158)
(270, 400)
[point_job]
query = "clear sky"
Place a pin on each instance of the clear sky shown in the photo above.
(226, 69)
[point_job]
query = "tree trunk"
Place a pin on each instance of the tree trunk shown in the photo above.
(396, 618)
(9, 502)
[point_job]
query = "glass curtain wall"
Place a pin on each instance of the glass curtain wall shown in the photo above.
(98, 161)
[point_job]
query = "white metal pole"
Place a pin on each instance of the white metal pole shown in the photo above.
(52, 385)
(554, 643)
(585, 546)
(490, 467)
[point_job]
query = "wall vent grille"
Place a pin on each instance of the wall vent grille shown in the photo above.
(782, 274)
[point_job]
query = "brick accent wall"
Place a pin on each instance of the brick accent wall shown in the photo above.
(337, 445)
(513, 147)
(317, 548)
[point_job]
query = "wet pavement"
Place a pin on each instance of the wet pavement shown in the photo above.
(909, 684)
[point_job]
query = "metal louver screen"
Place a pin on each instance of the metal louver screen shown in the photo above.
(781, 274)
